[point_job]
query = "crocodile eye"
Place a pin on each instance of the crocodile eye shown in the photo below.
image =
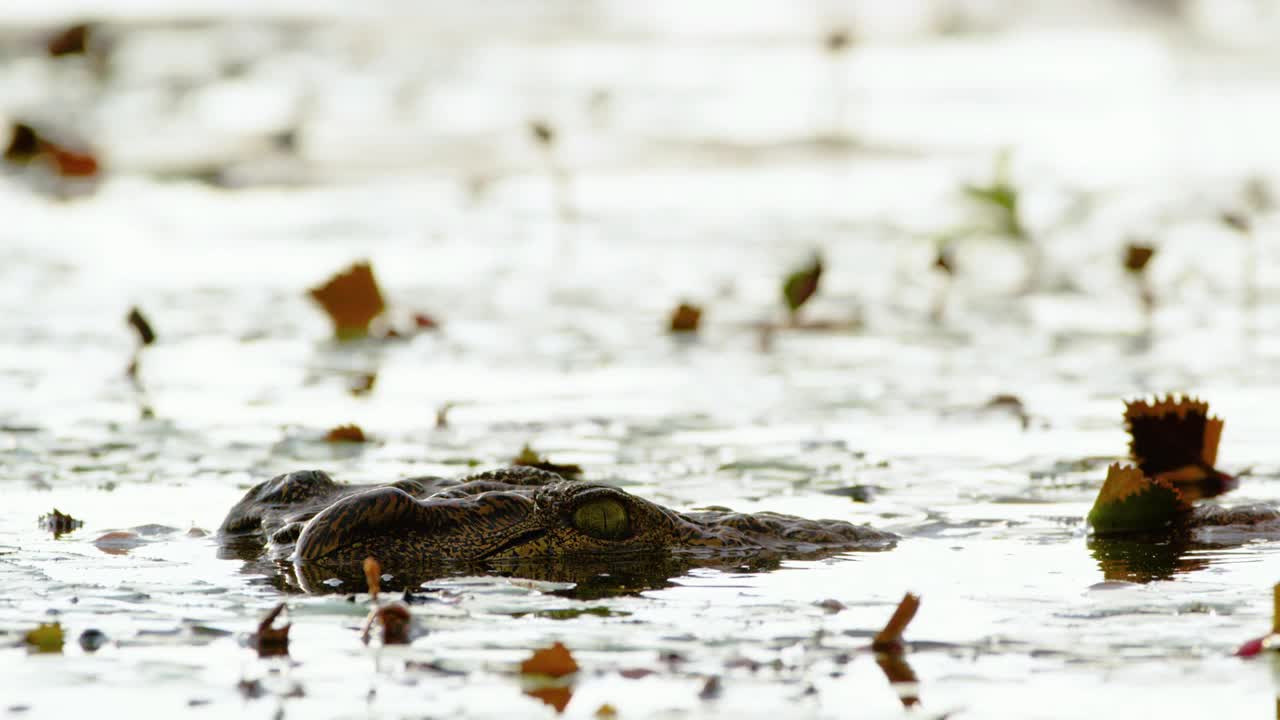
(603, 519)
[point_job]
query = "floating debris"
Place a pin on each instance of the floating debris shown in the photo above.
(271, 641)
(542, 132)
(837, 40)
(555, 661)
(59, 523)
(529, 458)
(350, 433)
(140, 324)
(46, 638)
(686, 318)
(92, 639)
(352, 300)
(606, 711)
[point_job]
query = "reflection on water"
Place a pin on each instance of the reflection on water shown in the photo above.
(1148, 557)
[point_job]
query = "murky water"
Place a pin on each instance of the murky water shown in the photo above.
(697, 163)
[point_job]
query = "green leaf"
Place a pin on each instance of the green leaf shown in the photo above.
(1129, 502)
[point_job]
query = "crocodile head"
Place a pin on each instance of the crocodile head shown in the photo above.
(508, 515)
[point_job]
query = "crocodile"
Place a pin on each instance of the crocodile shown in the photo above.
(512, 517)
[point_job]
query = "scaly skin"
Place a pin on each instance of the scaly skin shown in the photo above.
(514, 514)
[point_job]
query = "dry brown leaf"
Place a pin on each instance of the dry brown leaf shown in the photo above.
(345, 433)
(555, 661)
(686, 318)
(606, 711)
(1137, 256)
(890, 638)
(352, 300)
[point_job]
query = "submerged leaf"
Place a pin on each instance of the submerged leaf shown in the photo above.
(1130, 501)
(352, 300)
(46, 638)
(529, 458)
(555, 661)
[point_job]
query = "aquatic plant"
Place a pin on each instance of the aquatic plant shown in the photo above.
(1174, 445)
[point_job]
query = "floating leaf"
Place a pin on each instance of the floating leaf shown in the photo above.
(711, 688)
(1137, 256)
(1237, 221)
(890, 638)
(838, 40)
(1130, 501)
(71, 41)
(373, 576)
(685, 318)
(529, 458)
(542, 132)
(345, 434)
(58, 523)
(1267, 642)
(352, 300)
(271, 641)
(802, 284)
(46, 638)
(555, 661)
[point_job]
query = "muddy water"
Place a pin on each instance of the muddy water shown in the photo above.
(698, 167)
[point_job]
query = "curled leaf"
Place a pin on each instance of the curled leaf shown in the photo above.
(1001, 199)
(352, 300)
(24, 144)
(396, 622)
(271, 641)
(373, 576)
(1131, 501)
(890, 638)
(555, 661)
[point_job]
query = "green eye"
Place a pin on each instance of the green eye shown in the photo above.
(604, 519)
